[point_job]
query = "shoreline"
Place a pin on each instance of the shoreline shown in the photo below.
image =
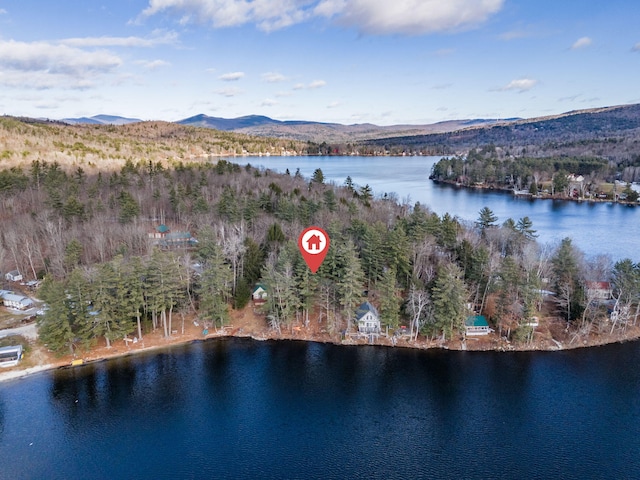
(494, 188)
(493, 344)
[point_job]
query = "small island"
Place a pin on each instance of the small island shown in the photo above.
(114, 248)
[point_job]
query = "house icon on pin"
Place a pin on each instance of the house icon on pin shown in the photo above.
(313, 243)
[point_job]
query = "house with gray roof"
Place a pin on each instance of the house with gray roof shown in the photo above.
(368, 319)
(12, 300)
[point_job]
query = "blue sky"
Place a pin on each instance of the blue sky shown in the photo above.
(347, 61)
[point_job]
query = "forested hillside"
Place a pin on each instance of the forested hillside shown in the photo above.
(107, 147)
(612, 133)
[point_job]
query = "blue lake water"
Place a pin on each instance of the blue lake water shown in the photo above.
(237, 408)
(596, 228)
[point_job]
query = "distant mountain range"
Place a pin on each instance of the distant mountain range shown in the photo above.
(101, 120)
(325, 132)
(300, 130)
(580, 132)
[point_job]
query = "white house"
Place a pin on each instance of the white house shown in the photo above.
(368, 319)
(13, 276)
(599, 290)
(10, 356)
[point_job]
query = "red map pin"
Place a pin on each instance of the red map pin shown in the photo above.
(313, 243)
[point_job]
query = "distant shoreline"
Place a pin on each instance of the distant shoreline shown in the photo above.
(510, 191)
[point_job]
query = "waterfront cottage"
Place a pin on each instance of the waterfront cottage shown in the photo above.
(10, 356)
(259, 294)
(368, 319)
(477, 325)
(599, 290)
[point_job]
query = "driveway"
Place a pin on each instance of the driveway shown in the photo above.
(28, 331)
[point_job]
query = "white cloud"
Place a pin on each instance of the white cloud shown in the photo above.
(334, 105)
(46, 65)
(160, 38)
(273, 77)
(268, 15)
(153, 64)
(3, 11)
(409, 17)
(636, 47)
(230, 92)
(310, 86)
(520, 85)
(283, 94)
(582, 42)
(231, 77)
(268, 102)
(317, 84)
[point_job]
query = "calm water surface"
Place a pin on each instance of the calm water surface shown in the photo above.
(236, 408)
(597, 228)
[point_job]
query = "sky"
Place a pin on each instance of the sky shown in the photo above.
(345, 61)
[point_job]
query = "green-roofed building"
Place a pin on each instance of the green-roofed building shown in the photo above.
(477, 325)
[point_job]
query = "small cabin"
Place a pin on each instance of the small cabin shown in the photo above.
(159, 232)
(599, 290)
(13, 276)
(368, 319)
(259, 295)
(10, 356)
(477, 325)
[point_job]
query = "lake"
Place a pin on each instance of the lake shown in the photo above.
(238, 408)
(596, 228)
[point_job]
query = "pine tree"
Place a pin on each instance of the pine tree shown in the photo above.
(54, 327)
(566, 269)
(389, 299)
(487, 219)
(350, 280)
(214, 288)
(524, 227)
(79, 298)
(163, 286)
(307, 288)
(449, 298)
(134, 287)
